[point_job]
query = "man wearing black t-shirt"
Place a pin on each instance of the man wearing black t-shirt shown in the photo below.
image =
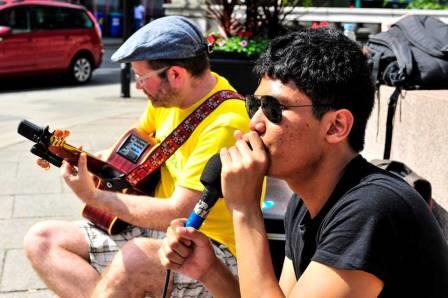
(353, 230)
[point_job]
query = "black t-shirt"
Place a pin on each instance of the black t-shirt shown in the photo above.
(374, 222)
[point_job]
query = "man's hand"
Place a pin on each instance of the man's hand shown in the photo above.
(43, 164)
(243, 169)
(79, 179)
(187, 251)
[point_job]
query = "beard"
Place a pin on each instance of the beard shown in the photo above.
(165, 96)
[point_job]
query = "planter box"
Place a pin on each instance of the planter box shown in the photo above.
(237, 71)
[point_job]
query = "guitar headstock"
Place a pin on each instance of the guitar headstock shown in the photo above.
(58, 137)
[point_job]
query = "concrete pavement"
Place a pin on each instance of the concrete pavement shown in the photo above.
(27, 193)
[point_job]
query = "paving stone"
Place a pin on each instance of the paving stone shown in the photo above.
(65, 188)
(8, 169)
(2, 261)
(6, 205)
(28, 168)
(32, 293)
(13, 230)
(8, 186)
(25, 154)
(51, 205)
(31, 185)
(10, 154)
(18, 275)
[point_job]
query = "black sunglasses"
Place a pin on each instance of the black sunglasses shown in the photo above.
(270, 106)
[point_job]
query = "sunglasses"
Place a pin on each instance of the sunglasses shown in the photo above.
(270, 106)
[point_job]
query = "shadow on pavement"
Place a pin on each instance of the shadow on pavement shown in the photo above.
(29, 83)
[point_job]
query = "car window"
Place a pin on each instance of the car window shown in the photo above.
(54, 18)
(74, 18)
(45, 18)
(16, 18)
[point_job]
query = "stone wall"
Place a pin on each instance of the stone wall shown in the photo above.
(420, 138)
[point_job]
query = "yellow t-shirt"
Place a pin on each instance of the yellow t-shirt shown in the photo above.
(185, 166)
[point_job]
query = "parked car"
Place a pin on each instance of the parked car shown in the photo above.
(46, 36)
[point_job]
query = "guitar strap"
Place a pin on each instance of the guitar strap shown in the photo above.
(178, 136)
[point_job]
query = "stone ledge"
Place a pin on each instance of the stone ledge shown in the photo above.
(420, 136)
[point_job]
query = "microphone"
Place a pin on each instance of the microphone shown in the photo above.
(211, 179)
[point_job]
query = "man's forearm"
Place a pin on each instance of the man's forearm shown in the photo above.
(221, 282)
(256, 273)
(142, 211)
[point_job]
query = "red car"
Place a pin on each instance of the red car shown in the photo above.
(39, 37)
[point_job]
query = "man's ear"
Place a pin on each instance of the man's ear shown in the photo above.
(340, 123)
(176, 76)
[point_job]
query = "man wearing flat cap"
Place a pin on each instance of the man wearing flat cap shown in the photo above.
(171, 66)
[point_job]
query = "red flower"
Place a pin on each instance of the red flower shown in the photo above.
(245, 34)
(211, 39)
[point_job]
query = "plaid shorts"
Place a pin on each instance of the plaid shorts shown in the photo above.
(103, 247)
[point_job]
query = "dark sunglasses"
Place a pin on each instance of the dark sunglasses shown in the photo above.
(270, 106)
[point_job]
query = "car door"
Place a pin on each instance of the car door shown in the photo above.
(49, 36)
(16, 48)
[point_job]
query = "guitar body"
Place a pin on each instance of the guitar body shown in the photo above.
(129, 152)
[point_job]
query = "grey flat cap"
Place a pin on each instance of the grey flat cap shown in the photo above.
(172, 37)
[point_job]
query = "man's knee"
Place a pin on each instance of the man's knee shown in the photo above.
(45, 236)
(137, 263)
(133, 268)
(139, 254)
(38, 239)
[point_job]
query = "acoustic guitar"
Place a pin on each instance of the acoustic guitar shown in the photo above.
(134, 164)
(129, 152)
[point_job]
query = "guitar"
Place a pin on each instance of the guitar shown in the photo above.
(133, 166)
(130, 151)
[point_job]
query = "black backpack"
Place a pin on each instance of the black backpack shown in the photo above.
(420, 184)
(412, 54)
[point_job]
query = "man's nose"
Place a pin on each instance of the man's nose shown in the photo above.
(138, 85)
(258, 122)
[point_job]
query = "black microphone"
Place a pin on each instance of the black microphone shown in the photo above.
(211, 178)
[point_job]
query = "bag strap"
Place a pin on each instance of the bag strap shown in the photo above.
(403, 53)
(178, 136)
(417, 34)
(375, 67)
(390, 121)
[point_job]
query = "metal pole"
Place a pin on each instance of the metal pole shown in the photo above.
(125, 80)
(128, 20)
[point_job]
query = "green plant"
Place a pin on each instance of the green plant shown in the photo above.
(250, 34)
(427, 4)
(242, 44)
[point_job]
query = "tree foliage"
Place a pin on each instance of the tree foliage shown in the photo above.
(262, 17)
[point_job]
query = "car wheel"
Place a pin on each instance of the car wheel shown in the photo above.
(81, 70)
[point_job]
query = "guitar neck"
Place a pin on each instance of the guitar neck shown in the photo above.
(95, 165)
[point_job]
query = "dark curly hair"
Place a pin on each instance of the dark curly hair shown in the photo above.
(329, 68)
